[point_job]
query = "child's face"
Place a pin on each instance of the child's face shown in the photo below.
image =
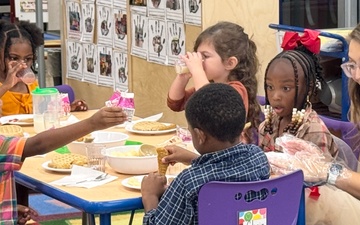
(280, 87)
(213, 65)
(20, 52)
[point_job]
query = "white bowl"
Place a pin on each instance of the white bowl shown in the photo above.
(107, 138)
(130, 164)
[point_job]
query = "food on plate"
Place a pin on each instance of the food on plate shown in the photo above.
(65, 161)
(24, 120)
(134, 182)
(152, 126)
(132, 152)
(161, 153)
(87, 139)
(11, 131)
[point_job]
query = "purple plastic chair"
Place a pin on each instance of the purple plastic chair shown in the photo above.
(64, 88)
(224, 202)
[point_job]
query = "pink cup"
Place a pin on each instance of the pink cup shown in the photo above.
(26, 75)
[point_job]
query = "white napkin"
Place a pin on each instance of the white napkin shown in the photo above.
(82, 174)
(70, 120)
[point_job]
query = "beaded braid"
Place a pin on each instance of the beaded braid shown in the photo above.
(310, 64)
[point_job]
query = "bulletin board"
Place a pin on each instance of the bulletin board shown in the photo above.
(25, 10)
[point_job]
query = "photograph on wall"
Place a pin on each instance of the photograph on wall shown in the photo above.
(105, 74)
(120, 28)
(157, 41)
(104, 24)
(192, 12)
(73, 20)
(90, 63)
(121, 71)
(138, 2)
(120, 3)
(139, 42)
(25, 10)
(156, 8)
(174, 10)
(176, 41)
(74, 58)
(88, 22)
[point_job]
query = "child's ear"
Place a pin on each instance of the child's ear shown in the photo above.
(201, 136)
(231, 63)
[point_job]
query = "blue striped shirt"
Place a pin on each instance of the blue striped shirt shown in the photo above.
(178, 205)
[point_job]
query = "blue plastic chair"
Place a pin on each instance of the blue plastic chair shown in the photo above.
(224, 202)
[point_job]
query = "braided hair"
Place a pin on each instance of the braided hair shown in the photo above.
(310, 64)
(24, 31)
(230, 40)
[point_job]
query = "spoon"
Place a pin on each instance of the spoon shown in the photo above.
(147, 150)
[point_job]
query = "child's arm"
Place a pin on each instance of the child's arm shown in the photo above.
(52, 139)
(177, 88)
(350, 184)
(152, 188)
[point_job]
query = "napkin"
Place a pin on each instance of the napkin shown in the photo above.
(70, 120)
(81, 177)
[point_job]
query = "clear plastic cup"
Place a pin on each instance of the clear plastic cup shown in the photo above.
(180, 67)
(26, 75)
(95, 156)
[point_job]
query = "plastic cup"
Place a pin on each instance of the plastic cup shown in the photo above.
(96, 159)
(26, 75)
(180, 67)
(183, 133)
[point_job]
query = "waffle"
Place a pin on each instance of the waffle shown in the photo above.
(11, 131)
(152, 126)
(161, 153)
(87, 139)
(65, 161)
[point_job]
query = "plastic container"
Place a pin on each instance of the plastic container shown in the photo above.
(127, 104)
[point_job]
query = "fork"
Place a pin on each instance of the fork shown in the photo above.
(98, 178)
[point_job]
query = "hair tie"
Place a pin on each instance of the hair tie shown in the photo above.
(310, 39)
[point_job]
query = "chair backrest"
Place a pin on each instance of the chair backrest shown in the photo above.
(64, 88)
(346, 153)
(224, 202)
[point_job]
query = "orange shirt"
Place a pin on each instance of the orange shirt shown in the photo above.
(18, 103)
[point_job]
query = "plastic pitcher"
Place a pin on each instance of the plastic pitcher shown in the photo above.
(46, 109)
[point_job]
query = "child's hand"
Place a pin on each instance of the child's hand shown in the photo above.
(153, 185)
(178, 154)
(25, 214)
(13, 68)
(107, 117)
(194, 61)
(78, 105)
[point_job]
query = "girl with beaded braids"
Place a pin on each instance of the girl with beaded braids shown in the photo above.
(223, 53)
(18, 44)
(291, 79)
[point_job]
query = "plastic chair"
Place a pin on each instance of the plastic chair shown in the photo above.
(346, 153)
(64, 88)
(224, 202)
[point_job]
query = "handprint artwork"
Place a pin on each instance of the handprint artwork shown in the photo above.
(194, 6)
(139, 32)
(155, 3)
(121, 62)
(175, 41)
(157, 42)
(89, 21)
(90, 61)
(105, 64)
(173, 4)
(74, 17)
(120, 25)
(105, 25)
(74, 59)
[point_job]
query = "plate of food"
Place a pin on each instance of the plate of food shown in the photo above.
(19, 119)
(63, 162)
(151, 127)
(135, 181)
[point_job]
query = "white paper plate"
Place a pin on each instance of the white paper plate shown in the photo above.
(135, 181)
(130, 129)
(46, 167)
(16, 119)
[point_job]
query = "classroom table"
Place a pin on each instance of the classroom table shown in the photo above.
(103, 200)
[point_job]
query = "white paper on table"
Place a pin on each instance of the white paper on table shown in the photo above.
(80, 173)
(72, 119)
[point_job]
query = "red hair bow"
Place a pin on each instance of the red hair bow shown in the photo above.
(310, 39)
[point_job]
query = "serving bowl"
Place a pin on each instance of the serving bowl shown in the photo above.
(122, 160)
(107, 138)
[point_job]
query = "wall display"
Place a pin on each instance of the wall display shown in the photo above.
(108, 3)
(25, 10)
(174, 10)
(88, 22)
(139, 35)
(176, 41)
(74, 56)
(119, 3)
(192, 12)
(104, 24)
(73, 20)
(121, 71)
(157, 41)
(138, 2)
(106, 70)
(120, 28)
(156, 8)
(90, 63)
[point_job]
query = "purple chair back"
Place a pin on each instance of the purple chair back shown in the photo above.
(224, 202)
(64, 88)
